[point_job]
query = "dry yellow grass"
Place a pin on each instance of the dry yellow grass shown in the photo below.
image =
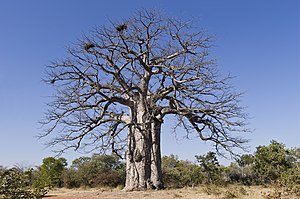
(205, 192)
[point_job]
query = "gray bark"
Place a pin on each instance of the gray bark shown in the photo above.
(156, 172)
(143, 158)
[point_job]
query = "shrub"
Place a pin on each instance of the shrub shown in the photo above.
(95, 171)
(109, 178)
(50, 172)
(290, 180)
(270, 162)
(71, 179)
(213, 172)
(14, 185)
(179, 173)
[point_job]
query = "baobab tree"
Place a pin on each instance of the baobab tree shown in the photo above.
(115, 87)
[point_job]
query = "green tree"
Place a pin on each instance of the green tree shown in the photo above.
(107, 170)
(82, 171)
(180, 173)
(70, 178)
(171, 175)
(50, 172)
(271, 161)
(211, 167)
(98, 170)
(291, 178)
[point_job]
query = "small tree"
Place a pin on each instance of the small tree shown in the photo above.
(99, 170)
(290, 179)
(106, 170)
(83, 170)
(71, 178)
(271, 161)
(210, 167)
(51, 172)
(116, 87)
(180, 173)
(170, 173)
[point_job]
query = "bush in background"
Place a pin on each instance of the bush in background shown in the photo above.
(95, 171)
(50, 173)
(273, 164)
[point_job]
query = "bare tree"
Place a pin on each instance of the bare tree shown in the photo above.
(115, 88)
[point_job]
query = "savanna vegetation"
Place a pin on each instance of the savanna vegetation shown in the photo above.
(273, 165)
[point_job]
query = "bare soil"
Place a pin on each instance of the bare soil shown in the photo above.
(188, 193)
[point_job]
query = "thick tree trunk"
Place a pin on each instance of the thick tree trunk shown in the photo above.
(138, 170)
(143, 158)
(156, 172)
(138, 157)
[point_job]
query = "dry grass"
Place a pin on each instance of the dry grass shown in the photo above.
(205, 192)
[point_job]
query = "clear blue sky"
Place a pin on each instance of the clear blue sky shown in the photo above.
(256, 41)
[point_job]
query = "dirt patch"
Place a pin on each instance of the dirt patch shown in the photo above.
(69, 197)
(117, 194)
(73, 196)
(240, 192)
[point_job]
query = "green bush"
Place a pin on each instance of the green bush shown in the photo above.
(180, 173)
(71, 178)
(213, 172)
(14, 185)
(290, 180)
(50, 173)
(270, 162)
(95, 171)
(240, 174)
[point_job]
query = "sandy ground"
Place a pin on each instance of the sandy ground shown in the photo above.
(197, 193)
(128, 195)
(117, 194)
